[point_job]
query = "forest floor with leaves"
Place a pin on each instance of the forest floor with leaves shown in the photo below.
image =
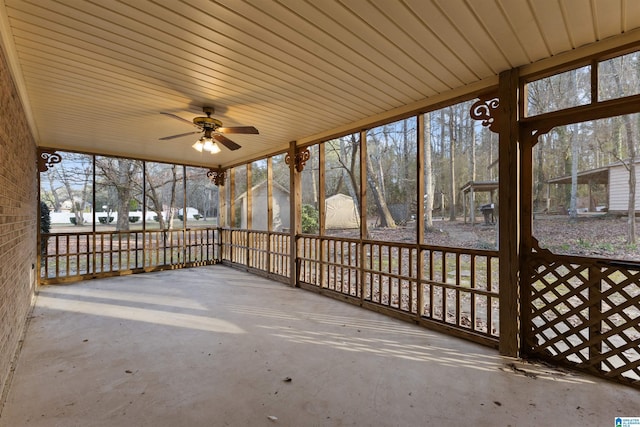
(603, 236)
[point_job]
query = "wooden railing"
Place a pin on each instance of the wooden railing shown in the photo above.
(451, 288)
(263, 251)
(584, 313)
(448, 288)
(76, 256)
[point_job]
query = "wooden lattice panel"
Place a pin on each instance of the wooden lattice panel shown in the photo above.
(586, 313)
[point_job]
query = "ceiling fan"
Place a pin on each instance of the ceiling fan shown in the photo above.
(213, 131)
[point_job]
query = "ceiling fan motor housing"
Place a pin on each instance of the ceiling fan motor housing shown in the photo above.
(207, 122)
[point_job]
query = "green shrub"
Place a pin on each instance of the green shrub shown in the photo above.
(45, 226)
(309, 220)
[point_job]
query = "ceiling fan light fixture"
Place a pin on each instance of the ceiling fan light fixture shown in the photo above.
(213, 132)
(215, 148)
(198, 146)
(208, 144)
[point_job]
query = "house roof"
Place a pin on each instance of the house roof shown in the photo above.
(592, 176)
(277, 188)
(479, 186)
(95, 76)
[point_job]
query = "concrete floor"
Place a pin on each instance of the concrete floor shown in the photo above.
(212, 346)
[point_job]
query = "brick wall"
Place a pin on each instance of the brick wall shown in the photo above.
(18, 220)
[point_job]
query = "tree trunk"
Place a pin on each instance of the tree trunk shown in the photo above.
(124, 193)
(386, 220)
(152, 194)
(452, 168)
(54, 193)
(575, 152)
(428, 175)
(172, 203)
(349, 172)
(631, 207)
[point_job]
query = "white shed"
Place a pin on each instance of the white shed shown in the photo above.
(341, 212)
(619, 188)
(616, 177)
(279, 205)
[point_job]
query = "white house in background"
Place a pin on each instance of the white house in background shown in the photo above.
(192, 213)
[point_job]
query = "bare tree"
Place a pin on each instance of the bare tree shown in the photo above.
(375, 180)
(159, 179)
(74, 176)
(429, 187)
(122, 175)
(452, 167)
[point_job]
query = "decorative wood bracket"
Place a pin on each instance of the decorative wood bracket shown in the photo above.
(47, 159)
(216, 176)
(300, 160)
(532, 136)
(485, 110)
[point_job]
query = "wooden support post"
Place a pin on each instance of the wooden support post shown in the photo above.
(322, 214)
(472, 206)
(269, 210)
(420, 217)
(464, 207)
(595, 315)
(509, 214)
(364, 234)
(295, 209)
(249, 219)
(222, 203)
(249, 211)
(184, 214)
(231, 219)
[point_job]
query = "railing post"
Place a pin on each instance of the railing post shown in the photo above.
(595, 314)
(247, 246)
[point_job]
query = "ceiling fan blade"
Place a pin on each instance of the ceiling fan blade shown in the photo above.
(226, 142)
(178, 118)
(179, 135)
(239, 129)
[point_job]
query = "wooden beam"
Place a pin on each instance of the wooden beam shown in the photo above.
(363, 213)
(582, 113)
(249, 215)
(420, 216)
(509, 214)
(322, 215)
(231, 201)
(363, 185)
(295, 211)
(249, 212)
(222, 203)
(269, 210)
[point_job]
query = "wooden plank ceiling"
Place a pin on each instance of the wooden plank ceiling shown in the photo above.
(94, 75)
